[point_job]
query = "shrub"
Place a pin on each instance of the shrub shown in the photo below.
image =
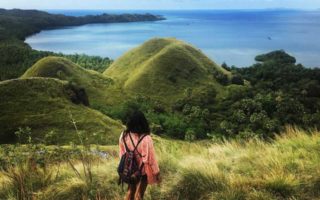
(190, 135)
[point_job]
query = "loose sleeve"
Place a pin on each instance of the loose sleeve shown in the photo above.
(150, 161)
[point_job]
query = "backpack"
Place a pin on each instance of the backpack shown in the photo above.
(128, 168)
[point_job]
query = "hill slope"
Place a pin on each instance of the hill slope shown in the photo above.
(164, 68)
(45, 105)
(56, 67)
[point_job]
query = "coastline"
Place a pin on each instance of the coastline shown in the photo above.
(29, 22)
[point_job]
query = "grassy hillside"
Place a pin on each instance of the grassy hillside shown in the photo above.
(164, 68)
(287, 168)
(56, 67)
(45, 105)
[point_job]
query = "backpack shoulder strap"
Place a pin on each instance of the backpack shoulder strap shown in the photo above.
(140, 140)
(124, 141)
(134, 146)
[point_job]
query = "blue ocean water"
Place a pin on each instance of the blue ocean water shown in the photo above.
(231, 36)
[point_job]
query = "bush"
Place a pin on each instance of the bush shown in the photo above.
(174, 126)
(190, 135)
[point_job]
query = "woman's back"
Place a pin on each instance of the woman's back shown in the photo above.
(144, 153)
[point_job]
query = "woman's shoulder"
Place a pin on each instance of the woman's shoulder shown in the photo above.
(147, 138)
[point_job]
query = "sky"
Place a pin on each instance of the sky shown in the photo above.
(159, 4)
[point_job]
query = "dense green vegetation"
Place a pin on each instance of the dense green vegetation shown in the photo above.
(287, 168)
(282, 93)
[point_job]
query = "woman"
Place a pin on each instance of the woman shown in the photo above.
(138, 128)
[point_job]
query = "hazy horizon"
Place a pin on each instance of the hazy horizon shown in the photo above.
(166, 9)
(162, 4)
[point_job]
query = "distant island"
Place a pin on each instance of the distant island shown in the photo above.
(22, 23)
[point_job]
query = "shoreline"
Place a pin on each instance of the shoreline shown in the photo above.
(29, 22)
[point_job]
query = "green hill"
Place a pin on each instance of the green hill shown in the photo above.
(93, 82)
(46, 105)
(164, 68)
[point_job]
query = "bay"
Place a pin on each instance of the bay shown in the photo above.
(231, 36)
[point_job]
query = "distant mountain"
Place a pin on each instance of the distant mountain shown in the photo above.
(163, 68)
(48, 106)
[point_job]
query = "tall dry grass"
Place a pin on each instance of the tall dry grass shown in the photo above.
(287, 168)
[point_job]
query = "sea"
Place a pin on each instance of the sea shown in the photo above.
(231, 36)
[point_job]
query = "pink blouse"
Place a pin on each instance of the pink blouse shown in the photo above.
(146, 149)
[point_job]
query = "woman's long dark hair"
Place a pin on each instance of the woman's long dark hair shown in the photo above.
(137, 123)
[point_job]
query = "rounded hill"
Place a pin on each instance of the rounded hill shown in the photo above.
(55, 67)
(164, 68)
(93, 82)
(48, 106)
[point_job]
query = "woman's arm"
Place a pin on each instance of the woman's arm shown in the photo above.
(149, 159)
(152, 158)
